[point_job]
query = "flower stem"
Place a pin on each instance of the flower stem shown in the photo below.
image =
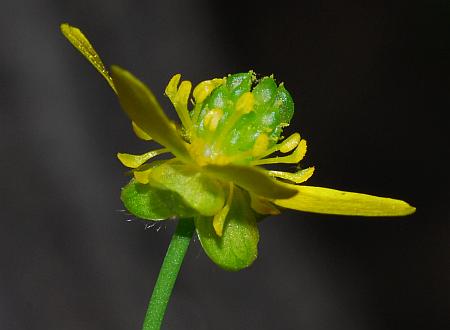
(168, 274)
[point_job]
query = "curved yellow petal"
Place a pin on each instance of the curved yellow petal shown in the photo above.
(80, 42)
(331, 201)
(134, 161)
(253, 179)
(141, 106)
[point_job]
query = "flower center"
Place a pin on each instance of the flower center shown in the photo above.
(237, 119)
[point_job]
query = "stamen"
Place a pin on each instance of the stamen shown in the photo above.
(196, 113)
(297, 177)
(179, 98)
(286, 146)
(134, 161)
(180, 102)
(243, 106)
(260, 147)
(212, 119)
(219, 218)
(290, 143)
(293, 158)
(205, 88)
(172, 86)
(245, 103)
(200, 93)
(261, 144)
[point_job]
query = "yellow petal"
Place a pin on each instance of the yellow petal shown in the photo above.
(80, 42)
(141, 106)
(140, 133)
(253, 179)
(331, 201)
(134, 161)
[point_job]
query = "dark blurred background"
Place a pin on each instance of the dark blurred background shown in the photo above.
(371, 84)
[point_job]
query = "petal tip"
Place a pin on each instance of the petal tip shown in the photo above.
(409, 209)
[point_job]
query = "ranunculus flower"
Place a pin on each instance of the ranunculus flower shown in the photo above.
(229, 127)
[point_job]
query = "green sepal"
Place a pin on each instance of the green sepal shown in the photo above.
(200, 191)
(152, 203)
(238, 246)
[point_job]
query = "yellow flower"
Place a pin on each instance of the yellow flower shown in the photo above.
(232, 128)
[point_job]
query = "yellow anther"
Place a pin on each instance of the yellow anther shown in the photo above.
(182, 95)
(212, 119)
(140, 133)
(261, 144)
(219, 218)
(172, 86)
(179, 96)
(243, 106)
(299, 152)
(290, 143)
(297, 177)
(286, 146)
(205, 88)
(293, 158)
(245, 103)
(134, 161)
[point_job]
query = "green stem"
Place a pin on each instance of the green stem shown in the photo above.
(168, 274)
